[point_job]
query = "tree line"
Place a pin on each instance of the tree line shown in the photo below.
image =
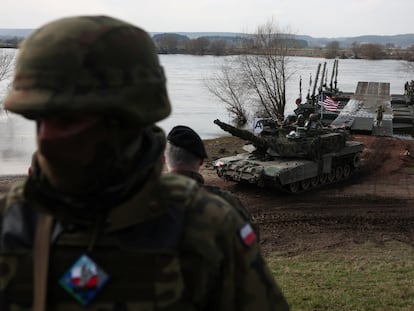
(369, 51)
(172, 43)
(10, 42)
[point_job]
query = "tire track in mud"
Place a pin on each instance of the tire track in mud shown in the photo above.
(308, 226)
(375, 205)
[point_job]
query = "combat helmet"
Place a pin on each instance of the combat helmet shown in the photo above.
(89, 64)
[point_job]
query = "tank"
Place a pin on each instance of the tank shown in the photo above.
(293, 159)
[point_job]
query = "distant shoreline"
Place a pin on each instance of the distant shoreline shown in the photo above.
(315, 52)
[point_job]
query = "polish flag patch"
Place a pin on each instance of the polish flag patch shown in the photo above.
(247, 235)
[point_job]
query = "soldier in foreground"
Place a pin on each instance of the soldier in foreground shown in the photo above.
(185, 154)
(96, 226)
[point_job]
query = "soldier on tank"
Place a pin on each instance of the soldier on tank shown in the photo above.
(300, 121)
(289, 120)
(96, 226)
(313, 123)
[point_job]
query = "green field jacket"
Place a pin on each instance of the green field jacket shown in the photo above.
(171, 246)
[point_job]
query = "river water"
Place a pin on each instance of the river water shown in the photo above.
(192, 103)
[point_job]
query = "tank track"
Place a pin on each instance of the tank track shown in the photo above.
(342, 169)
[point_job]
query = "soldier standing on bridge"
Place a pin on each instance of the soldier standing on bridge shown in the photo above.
(380, 114)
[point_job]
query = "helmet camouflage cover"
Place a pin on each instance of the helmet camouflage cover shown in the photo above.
(89, 64)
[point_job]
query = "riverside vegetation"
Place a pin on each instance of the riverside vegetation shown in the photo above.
(172, 43)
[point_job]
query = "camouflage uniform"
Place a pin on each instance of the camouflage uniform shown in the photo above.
(153, 242)
(229, 197)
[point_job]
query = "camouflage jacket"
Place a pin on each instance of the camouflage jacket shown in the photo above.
(228, 196)
(172, 246)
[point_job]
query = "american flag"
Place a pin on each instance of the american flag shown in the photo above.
(328, 102)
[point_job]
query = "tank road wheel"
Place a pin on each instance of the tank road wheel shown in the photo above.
(260, 183)
(331, 176)
(347, 171)
(294, 187)
(305, 184)
(339, 173)
(323, 178)
(314, 181)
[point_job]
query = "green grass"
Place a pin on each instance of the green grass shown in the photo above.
(360, 277)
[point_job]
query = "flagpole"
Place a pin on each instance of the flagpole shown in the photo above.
(322, 106)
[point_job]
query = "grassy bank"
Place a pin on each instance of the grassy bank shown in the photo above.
(361, 277)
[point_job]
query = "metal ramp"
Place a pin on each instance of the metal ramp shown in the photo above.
(360, 113)
(403, 114)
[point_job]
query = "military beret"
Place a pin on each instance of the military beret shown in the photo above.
(184, 137)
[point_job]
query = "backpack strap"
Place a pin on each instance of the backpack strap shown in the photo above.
(41, 252)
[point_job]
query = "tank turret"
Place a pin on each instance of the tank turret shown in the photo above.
(303, 142)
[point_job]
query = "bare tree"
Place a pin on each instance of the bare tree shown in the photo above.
(372, 51)
(355, 49)
(168, 43)
(332, 49)
(6, 68)
(218, 47)
(225, 85)
(261, 74)
(409, 54)
(6, 62)
(199, 45)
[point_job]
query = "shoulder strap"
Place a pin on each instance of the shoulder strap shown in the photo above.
(181, 189)
(41, 260)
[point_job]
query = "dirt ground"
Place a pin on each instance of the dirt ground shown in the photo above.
(375, 204)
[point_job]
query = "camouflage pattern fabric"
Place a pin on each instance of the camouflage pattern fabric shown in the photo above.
(229, 197)
(179, 250)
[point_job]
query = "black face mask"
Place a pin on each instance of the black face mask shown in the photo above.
(117, 174)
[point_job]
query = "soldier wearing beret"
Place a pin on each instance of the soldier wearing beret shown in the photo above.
(185, 154)
(96, 226)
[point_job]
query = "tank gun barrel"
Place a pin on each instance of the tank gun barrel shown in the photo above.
(258, 142)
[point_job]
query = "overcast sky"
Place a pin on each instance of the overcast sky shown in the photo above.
(318, 18)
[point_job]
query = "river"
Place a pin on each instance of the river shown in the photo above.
(192, 103)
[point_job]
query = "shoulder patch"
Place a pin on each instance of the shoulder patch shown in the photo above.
(247, 235)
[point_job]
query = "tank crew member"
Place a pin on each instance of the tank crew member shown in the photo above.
(96, 226)
(313, 123)
(289, 120)
(300, 121)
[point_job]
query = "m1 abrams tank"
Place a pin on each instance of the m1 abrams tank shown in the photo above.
(305, 158)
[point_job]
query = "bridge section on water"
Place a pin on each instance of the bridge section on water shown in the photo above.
(360, 113)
